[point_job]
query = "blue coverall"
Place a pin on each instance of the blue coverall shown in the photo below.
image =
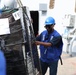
(50, 55)
(2, 64)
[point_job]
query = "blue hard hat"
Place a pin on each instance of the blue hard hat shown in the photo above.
(50, 21)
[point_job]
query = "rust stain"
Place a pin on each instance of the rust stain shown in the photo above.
(73, 63)
(74, 74)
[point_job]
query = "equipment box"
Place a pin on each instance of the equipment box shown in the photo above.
(17, 38)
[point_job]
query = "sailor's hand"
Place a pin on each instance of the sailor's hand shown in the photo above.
(37, 42)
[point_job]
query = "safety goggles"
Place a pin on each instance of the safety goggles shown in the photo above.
(48, 26)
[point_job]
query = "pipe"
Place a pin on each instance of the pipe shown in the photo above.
(71, 44)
